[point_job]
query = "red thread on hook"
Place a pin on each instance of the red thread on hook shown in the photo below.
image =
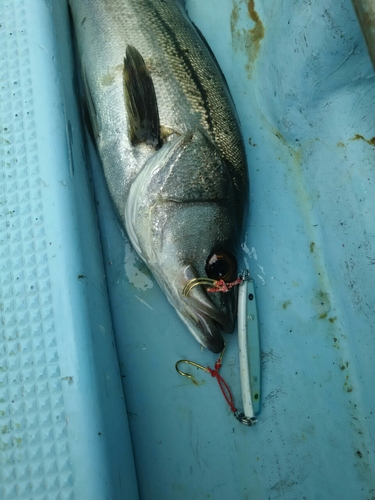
(223, 385)
(222, 286)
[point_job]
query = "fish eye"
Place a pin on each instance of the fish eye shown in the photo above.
(221, 265)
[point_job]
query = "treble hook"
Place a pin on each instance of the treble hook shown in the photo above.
(196, 365)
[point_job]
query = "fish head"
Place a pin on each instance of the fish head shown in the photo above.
(184, 218)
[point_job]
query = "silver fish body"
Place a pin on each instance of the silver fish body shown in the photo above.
(170, 146)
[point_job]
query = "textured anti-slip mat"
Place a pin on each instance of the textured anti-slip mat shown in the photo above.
(33, 431)
(59, 380)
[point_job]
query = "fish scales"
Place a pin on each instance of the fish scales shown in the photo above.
(187, 81)
(200, 140)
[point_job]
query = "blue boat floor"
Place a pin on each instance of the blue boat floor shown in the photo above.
(91, 406)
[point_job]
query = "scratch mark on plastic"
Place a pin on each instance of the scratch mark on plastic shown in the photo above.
(145, 303)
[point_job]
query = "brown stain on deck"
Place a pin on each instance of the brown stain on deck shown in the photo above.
(249, 41)
(257, 33)
(358, 137)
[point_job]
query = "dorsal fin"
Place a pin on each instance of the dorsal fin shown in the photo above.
(140, 100)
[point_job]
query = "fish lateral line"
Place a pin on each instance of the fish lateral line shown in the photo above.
(192, 201)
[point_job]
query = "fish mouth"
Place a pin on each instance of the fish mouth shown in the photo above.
(210, 331)
(207, 319)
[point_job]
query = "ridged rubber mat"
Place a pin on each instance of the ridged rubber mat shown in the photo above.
(34, 451)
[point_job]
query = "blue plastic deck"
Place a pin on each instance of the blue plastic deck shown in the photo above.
(303, 85)
(304, 89)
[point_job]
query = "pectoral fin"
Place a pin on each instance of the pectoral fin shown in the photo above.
(89, 111)
(140, 100)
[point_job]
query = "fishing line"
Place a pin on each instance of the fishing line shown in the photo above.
(217, 285)
(247, 334)
(224, 387)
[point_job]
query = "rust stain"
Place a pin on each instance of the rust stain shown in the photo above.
(358, 137)
(255, 35)
(248, 40)
(234, 18)
(258, 30)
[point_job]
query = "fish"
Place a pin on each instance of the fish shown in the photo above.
(171, 148)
